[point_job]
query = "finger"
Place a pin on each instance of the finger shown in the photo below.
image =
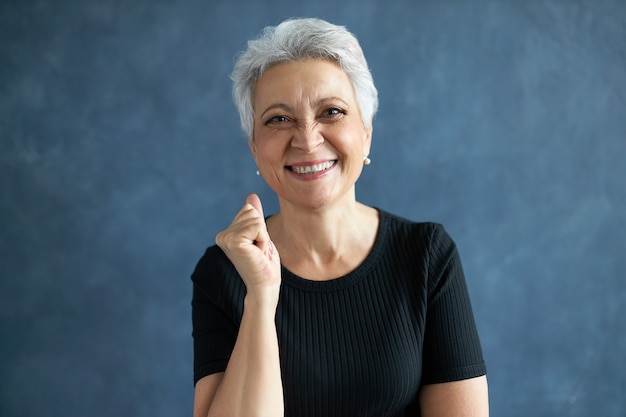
(275, 255)
(263, 240)
(255, 201)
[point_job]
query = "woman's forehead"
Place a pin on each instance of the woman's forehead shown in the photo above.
(310, 81)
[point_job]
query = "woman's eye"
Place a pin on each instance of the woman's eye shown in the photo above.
(276, 119)
(333, 111)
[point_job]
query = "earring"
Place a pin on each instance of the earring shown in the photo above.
(366, 160)
(257, 172)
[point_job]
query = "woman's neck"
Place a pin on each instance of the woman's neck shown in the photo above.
(332, 240)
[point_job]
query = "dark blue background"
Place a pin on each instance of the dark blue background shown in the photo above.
(122, 157)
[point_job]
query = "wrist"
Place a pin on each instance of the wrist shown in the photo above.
(262, 299)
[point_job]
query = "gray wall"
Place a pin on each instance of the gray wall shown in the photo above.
(121, 157)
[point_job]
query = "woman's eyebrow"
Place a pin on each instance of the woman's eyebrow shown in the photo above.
(282, 106)
(287, 107)
(333, 98)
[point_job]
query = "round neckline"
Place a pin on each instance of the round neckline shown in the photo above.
(351, 278)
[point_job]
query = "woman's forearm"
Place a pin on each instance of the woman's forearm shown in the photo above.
(252, 384)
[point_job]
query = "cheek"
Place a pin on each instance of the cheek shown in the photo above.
(268, 150)
(355, 142)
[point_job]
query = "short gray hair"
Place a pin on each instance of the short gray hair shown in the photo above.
(298, 39)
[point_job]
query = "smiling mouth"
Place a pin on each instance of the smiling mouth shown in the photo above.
(312, 169)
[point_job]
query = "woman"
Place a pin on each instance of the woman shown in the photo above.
(328, 307)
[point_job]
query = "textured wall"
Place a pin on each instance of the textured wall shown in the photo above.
(121, 157)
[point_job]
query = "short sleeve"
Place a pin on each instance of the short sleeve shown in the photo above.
(452, 349)
(214, 306)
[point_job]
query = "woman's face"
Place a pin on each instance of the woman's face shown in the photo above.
(308, 139)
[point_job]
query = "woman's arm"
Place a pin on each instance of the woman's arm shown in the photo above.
(465, 398)
(251, 385)
(204, 394)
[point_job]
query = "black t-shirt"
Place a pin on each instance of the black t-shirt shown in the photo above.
(359, 345)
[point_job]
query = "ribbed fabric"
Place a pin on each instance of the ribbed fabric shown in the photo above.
(359, 345)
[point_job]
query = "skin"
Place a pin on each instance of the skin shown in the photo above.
(305, 116)
(307, 113)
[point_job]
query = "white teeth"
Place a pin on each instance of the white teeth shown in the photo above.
(312, 169)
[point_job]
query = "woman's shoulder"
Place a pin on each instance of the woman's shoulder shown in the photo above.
(400, 228)
(214, 269)
(216, 281)
(212, 257)
(396, 221)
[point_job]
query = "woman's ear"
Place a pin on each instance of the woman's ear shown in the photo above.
(253, 149)
(367, 141)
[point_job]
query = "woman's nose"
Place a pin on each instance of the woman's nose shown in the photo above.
(307, 138)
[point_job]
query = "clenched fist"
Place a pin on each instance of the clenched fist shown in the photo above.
(247, 244)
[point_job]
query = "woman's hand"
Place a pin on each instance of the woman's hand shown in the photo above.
(247, 244)
(251, 385)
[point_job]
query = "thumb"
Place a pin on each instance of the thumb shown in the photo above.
(263, 241)
(255, 201)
